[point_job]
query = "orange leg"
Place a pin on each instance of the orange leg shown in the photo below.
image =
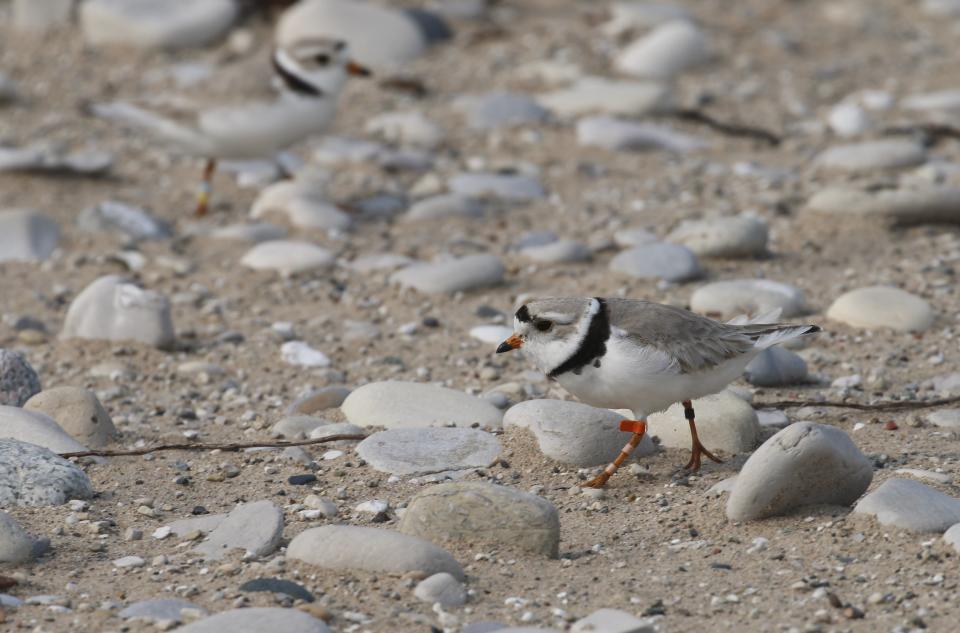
(203, 198)
(638, 428)
(698, 449)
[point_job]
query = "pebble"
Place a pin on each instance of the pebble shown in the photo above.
(558, 252)
(601, 95)
(723, 486)
(288, 257)
(772, 419)
(302, 203)
(325, 398)
(111, 308)
(665, 51)
(670, 262)
(148, 24)
(341, 428)
(911, 505)
(257, 620)
(301, 480)
(15, 545)
(944, 106)
(725, 422)
(34, 476)
(613, 621)
(18, 381)
(355, 548)
(447, 205)
(848, 119)
(776, 367)
(620, 134)
(202, 524)
(128, 562)
(380, 261)
(929, 475)
(302, 355)
(158, 609)
(804, 464)
(945, 384)
(574, 433)
(399, 404)
(441, 588)
(407, 128)
(947, 418)
(255, 527)
(499, 109)
(296, 426)
(53, 159)
(326, 507)
(625, 238)
(452, 275)
(36, 428)
(277, 585)
(506, 187)
(882, 307)
(872, 155)
(733, 237)
(130, 220)
(753, 297)
(254, 232)
(78, 412)
(931, 204)
(952, 536)
(430, 450)
(474, 512)
(27, 235)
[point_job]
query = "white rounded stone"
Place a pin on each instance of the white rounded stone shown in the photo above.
(670, 262)
(952, 536)
(257, 620)
(256, 528)
(911, 505)
(727, 299)
(441, 588)
(933, 204)
(873, 155)
(454, 275)
(255, 232)
(397, 404)
(948, 418)
(882, 307)
(406, 128)
(500, 109)
(506, 187)
(776, 367)
(848, 119)
(561, 251)
(739, 236)
(288, 257)
(601, 95)
(619, 134)
(492, 334)
(27, 235)
(78, 412)
(447, 205)
(666, 51)
(725, 422)
(156, 23)
(15, 545)
(302, 203)
(426, 451)
(36, 428)
(111, 308)
(943, 105)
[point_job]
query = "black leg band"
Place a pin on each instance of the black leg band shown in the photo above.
(688, 413)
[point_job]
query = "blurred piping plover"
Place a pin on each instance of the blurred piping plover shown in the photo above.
(309, 76)
(638, 355)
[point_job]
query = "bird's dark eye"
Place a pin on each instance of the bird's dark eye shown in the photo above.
(323, 59)
(543, 325)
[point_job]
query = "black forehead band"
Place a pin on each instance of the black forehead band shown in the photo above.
(523, 315)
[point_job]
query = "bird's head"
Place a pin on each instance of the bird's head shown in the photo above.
(550, 330)
(316, 66)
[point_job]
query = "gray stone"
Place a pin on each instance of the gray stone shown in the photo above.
(204, 523)
(296, 427)
(255, 527)
(255, 232)
(325, 398)
(927, 475)
(804, 464)
(426, 451)
(634, 236)
(15, 545)
(666, 51)
(848, 119)
(288, 257)
(475, 512)
(78, 412)
(441, 588)
(670, 262)
(46, 158)
(945, 384)
(341, 428)
(447, 205)
(721, 487)
(406, 128)
(725, 422)
(39, 16)
(772, 418)
(18, 381)
(872, 155)
(948, 418)
(31, 475)
(132, 221)
(277, 585)
(453, 275)
(620, 134)
(727, 299)
(380, 261)
(303, 203)
(113, 309)
(738, 236)
(163, 24)
(560, 251)
(911, 505)
(613, 621)
(36, 428)
(506, 187)
(155, 609)
(776, 367)
(27, 235)
(952, 536)
(574, 433)
(882, 307)
(497, 109)
(931, 204)
(257, 620)
(348, 547)
(398, 404)
(600, 95)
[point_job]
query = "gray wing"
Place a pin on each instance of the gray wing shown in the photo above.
(697, 343)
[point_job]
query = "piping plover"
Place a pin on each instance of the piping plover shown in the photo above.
(638, 355)
(308, 77)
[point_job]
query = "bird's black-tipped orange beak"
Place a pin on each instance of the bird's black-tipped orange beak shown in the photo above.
(355, 69)
(510, 344)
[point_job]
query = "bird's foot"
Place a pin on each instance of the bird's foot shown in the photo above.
(695, 454)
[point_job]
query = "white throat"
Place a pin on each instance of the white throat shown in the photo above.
(557, 351)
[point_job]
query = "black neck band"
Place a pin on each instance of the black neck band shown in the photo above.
(294, 83)
(593, 345)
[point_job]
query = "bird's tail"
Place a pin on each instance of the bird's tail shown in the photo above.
(765, 336)
(165, 129)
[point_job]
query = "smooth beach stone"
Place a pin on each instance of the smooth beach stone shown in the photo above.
(398, 404)
(475, 512)
(411, 128)
(506, 187)
(453, 275)
(625, 238)
(156, 23)
(296, 426)
(354, 548)
(36, 428)
(944, 105)
(561, 251)
(872, 155)
(574, 433)
(670, 262)
(160, 609)
(441, 588)
(16, 546)
(776, 367)
(324, 398)
(32, 475)
(254, 232)
(727, 299)
(39, 16)
(948, 418)
(132, 221)
(911, 505)
(78, 412)
(113, 309)
(848, 119)
(421, 451)
(601, 95)
(952, 536)
(882, 307)
(613, 621)
(447, 205)
(665, 51)
(725, 422)
(933, 204)
(255, 527)
(738, 236)
(27, 235)
(257, 620)
(303, 204)
(619, 134)
(804, 464)
(288, 257)
(498, 109)
(18, 380)
(277, 586)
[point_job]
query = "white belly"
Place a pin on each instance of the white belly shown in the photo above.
(264, 128)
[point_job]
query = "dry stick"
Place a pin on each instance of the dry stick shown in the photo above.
(730, 129)
(892, 405)
(211, 447)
